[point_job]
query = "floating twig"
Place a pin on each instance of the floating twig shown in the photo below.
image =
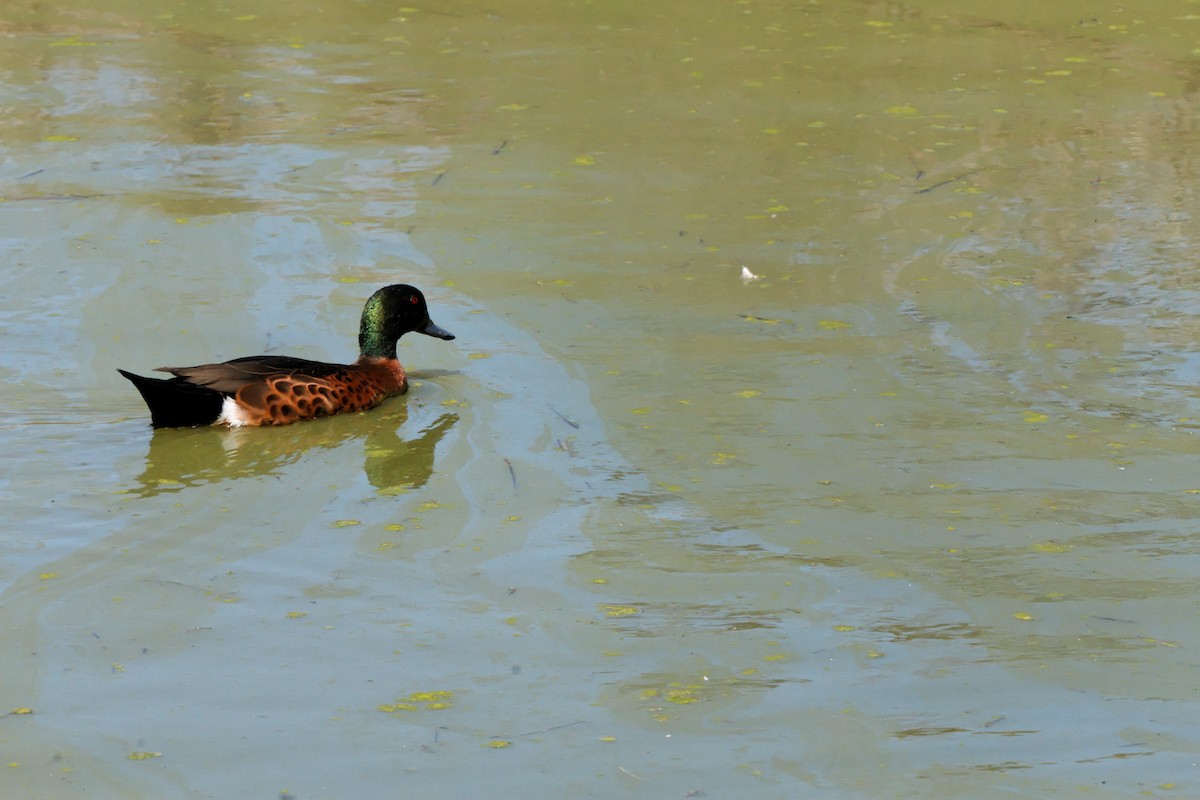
(548, 730)
(920, 172)
(563, 417)
(940, 184)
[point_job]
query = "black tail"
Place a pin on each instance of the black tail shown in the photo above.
(175, 403)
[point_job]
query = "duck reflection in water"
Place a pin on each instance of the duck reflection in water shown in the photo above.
(184, 457)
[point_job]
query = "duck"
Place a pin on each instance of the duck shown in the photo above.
(278, 390)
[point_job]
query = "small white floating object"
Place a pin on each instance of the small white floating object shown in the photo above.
(748, 276)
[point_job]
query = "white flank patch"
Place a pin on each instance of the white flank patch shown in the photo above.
(232, 414)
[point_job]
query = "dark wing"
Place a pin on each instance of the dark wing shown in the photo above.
(230, 376)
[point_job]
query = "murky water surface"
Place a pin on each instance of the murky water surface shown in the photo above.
(821, 421)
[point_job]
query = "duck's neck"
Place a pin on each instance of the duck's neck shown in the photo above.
(375, 346)
(372, 342)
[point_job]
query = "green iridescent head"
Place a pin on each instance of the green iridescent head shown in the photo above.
(389, 314)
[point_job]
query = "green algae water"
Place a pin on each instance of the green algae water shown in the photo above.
(820, 422)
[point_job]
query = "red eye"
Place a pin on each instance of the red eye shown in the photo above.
(414, 299)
